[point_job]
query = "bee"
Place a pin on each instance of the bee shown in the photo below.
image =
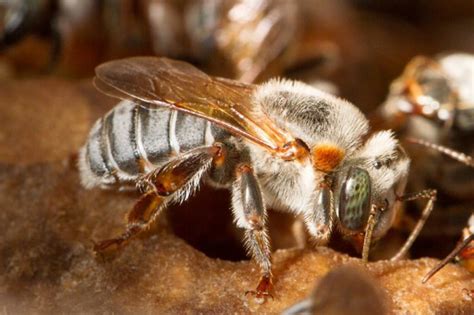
(248, 37)
(20, 18)
(434, 100)
(255, 35)
(281, 144)
(347, 287)
(464, 252)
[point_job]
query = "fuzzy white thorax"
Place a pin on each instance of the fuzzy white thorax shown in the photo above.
(312, 115)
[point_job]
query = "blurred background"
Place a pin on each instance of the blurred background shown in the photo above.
(359, 45)
(353, 48)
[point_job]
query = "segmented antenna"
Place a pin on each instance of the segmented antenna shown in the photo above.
(458, 156)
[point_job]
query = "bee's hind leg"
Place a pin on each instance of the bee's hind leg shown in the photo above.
(174, 181)
(143, 213)
(250, 214)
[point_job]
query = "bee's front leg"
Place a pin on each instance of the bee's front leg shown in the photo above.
(320, 220)
(250, 214)
(430, 196)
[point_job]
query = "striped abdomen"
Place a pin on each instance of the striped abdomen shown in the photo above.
(130, 136)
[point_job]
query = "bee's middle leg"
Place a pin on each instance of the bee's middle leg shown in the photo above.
(174, 181)
(250, 214)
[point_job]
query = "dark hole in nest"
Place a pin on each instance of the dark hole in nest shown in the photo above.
(205, 222)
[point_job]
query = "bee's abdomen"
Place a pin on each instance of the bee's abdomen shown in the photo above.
(130, 136)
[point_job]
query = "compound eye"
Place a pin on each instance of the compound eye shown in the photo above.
(355, 200)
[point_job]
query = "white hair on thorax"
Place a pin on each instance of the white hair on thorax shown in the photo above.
(312, 115)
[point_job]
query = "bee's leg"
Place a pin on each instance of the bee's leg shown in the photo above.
(461, 249)
(320, 222)
(369, 229)
(250, 214)
(430, 195)
(145, 210)
(174, 181)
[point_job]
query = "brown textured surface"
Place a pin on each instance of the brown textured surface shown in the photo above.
(44, 119)
(48, 222)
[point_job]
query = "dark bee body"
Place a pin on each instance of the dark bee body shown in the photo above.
(131, 135)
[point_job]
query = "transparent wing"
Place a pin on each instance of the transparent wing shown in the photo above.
(154, 81)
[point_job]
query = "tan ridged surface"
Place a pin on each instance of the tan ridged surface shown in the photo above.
(47, 223)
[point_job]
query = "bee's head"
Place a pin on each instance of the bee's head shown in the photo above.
(375, 176)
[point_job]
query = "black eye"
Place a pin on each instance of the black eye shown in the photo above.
(378, 164)
(354, 200)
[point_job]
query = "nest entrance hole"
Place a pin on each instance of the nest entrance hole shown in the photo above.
(205, 222)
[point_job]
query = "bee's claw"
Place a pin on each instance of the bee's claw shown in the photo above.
(260, 296)
(263, 290)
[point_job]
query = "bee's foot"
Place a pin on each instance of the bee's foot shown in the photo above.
(260, 296)
(262, 293)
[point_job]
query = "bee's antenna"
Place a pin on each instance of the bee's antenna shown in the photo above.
(458, 156)
(448, 258)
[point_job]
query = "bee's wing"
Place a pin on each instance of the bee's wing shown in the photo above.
(154, 81)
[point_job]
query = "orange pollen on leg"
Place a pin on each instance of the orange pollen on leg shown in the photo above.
(326, 157)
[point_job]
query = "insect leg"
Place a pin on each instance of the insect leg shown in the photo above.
(430, 195)
(250, 214)
(371, 222)
(139, 218)
(448, 258)
(320, 221)
(173, 182)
